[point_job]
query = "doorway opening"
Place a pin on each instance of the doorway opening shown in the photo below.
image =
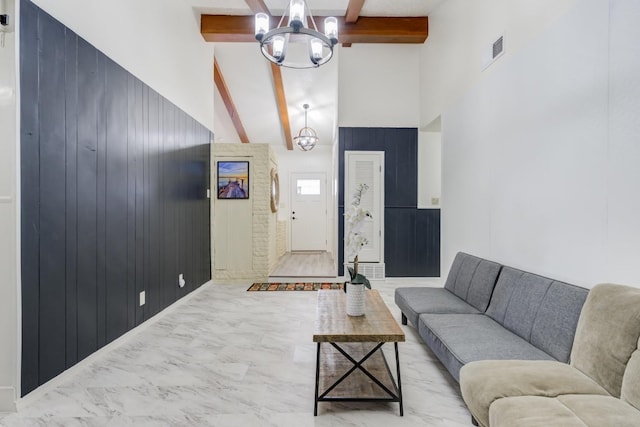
(308, 217)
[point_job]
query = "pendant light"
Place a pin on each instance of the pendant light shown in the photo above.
(307, 137)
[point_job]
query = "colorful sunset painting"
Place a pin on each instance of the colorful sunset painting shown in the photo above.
(233, 180)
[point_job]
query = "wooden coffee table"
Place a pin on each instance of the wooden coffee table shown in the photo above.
(352, 367)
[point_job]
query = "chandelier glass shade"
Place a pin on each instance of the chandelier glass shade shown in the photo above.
(274, 43)
(307, 137)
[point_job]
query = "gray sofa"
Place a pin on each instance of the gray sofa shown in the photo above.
(489, 311)
(599, 388)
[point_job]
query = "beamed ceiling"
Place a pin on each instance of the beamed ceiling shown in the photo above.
(257, 101)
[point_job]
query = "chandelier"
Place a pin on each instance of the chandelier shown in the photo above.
(306, 138)
(274, 43)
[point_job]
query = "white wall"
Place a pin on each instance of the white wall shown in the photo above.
(540, 157)
(157, 41)
(460, 30)
(429, 169)
(9, 225)
(378, 85)
(623, 149)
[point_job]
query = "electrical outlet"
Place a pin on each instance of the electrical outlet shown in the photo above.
(181, 281)
(142, 298)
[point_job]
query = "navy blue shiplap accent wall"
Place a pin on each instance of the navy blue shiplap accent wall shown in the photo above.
(114, 181)
(411, 235)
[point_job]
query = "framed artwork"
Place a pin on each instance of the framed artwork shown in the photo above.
(233, 180)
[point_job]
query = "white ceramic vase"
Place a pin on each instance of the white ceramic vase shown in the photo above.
(355, 299)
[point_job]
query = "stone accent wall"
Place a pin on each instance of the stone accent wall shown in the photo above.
(261, 158)
(281, 238)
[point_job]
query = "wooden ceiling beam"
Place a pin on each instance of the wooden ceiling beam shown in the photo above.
(227, 28)
(352, 14)
(258, 6)
(281, 101)
(353, 10)
(228, 102)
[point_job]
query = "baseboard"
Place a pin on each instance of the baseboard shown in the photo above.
(7, 399)
(78, 367)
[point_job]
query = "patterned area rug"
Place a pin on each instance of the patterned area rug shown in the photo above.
(300, 286)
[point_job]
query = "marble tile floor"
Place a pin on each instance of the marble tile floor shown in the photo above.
(227, 357)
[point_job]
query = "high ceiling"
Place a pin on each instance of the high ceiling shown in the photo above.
(265, 98)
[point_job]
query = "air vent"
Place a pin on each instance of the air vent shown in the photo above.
(372, 271)
(497, 47)
(493, 52)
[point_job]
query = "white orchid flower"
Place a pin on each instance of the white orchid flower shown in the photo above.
(355, 217)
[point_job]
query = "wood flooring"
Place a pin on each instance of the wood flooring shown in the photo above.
(305, 264)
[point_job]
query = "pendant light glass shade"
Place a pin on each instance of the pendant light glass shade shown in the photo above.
(262, 23)
(296, 13)
(331, 28)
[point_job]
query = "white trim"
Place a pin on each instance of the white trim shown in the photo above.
(123, 339)
(347, 194)
(18, 220)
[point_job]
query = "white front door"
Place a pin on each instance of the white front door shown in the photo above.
(308, 212)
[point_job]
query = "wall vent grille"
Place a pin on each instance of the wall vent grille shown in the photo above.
(492, 52)
(371, 270)
(498, 47)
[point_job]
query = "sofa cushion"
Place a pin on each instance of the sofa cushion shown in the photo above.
(516, 300)
(531, 411)
(555, 323)
(631, 380)
(607, 335)
(418, 300)
(540, 310)
(473, 279)
(458, 339)
(598, 411)
(484, 382)
(566, 411)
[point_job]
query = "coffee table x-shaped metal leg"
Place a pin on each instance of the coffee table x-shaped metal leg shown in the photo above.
(391, 392)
